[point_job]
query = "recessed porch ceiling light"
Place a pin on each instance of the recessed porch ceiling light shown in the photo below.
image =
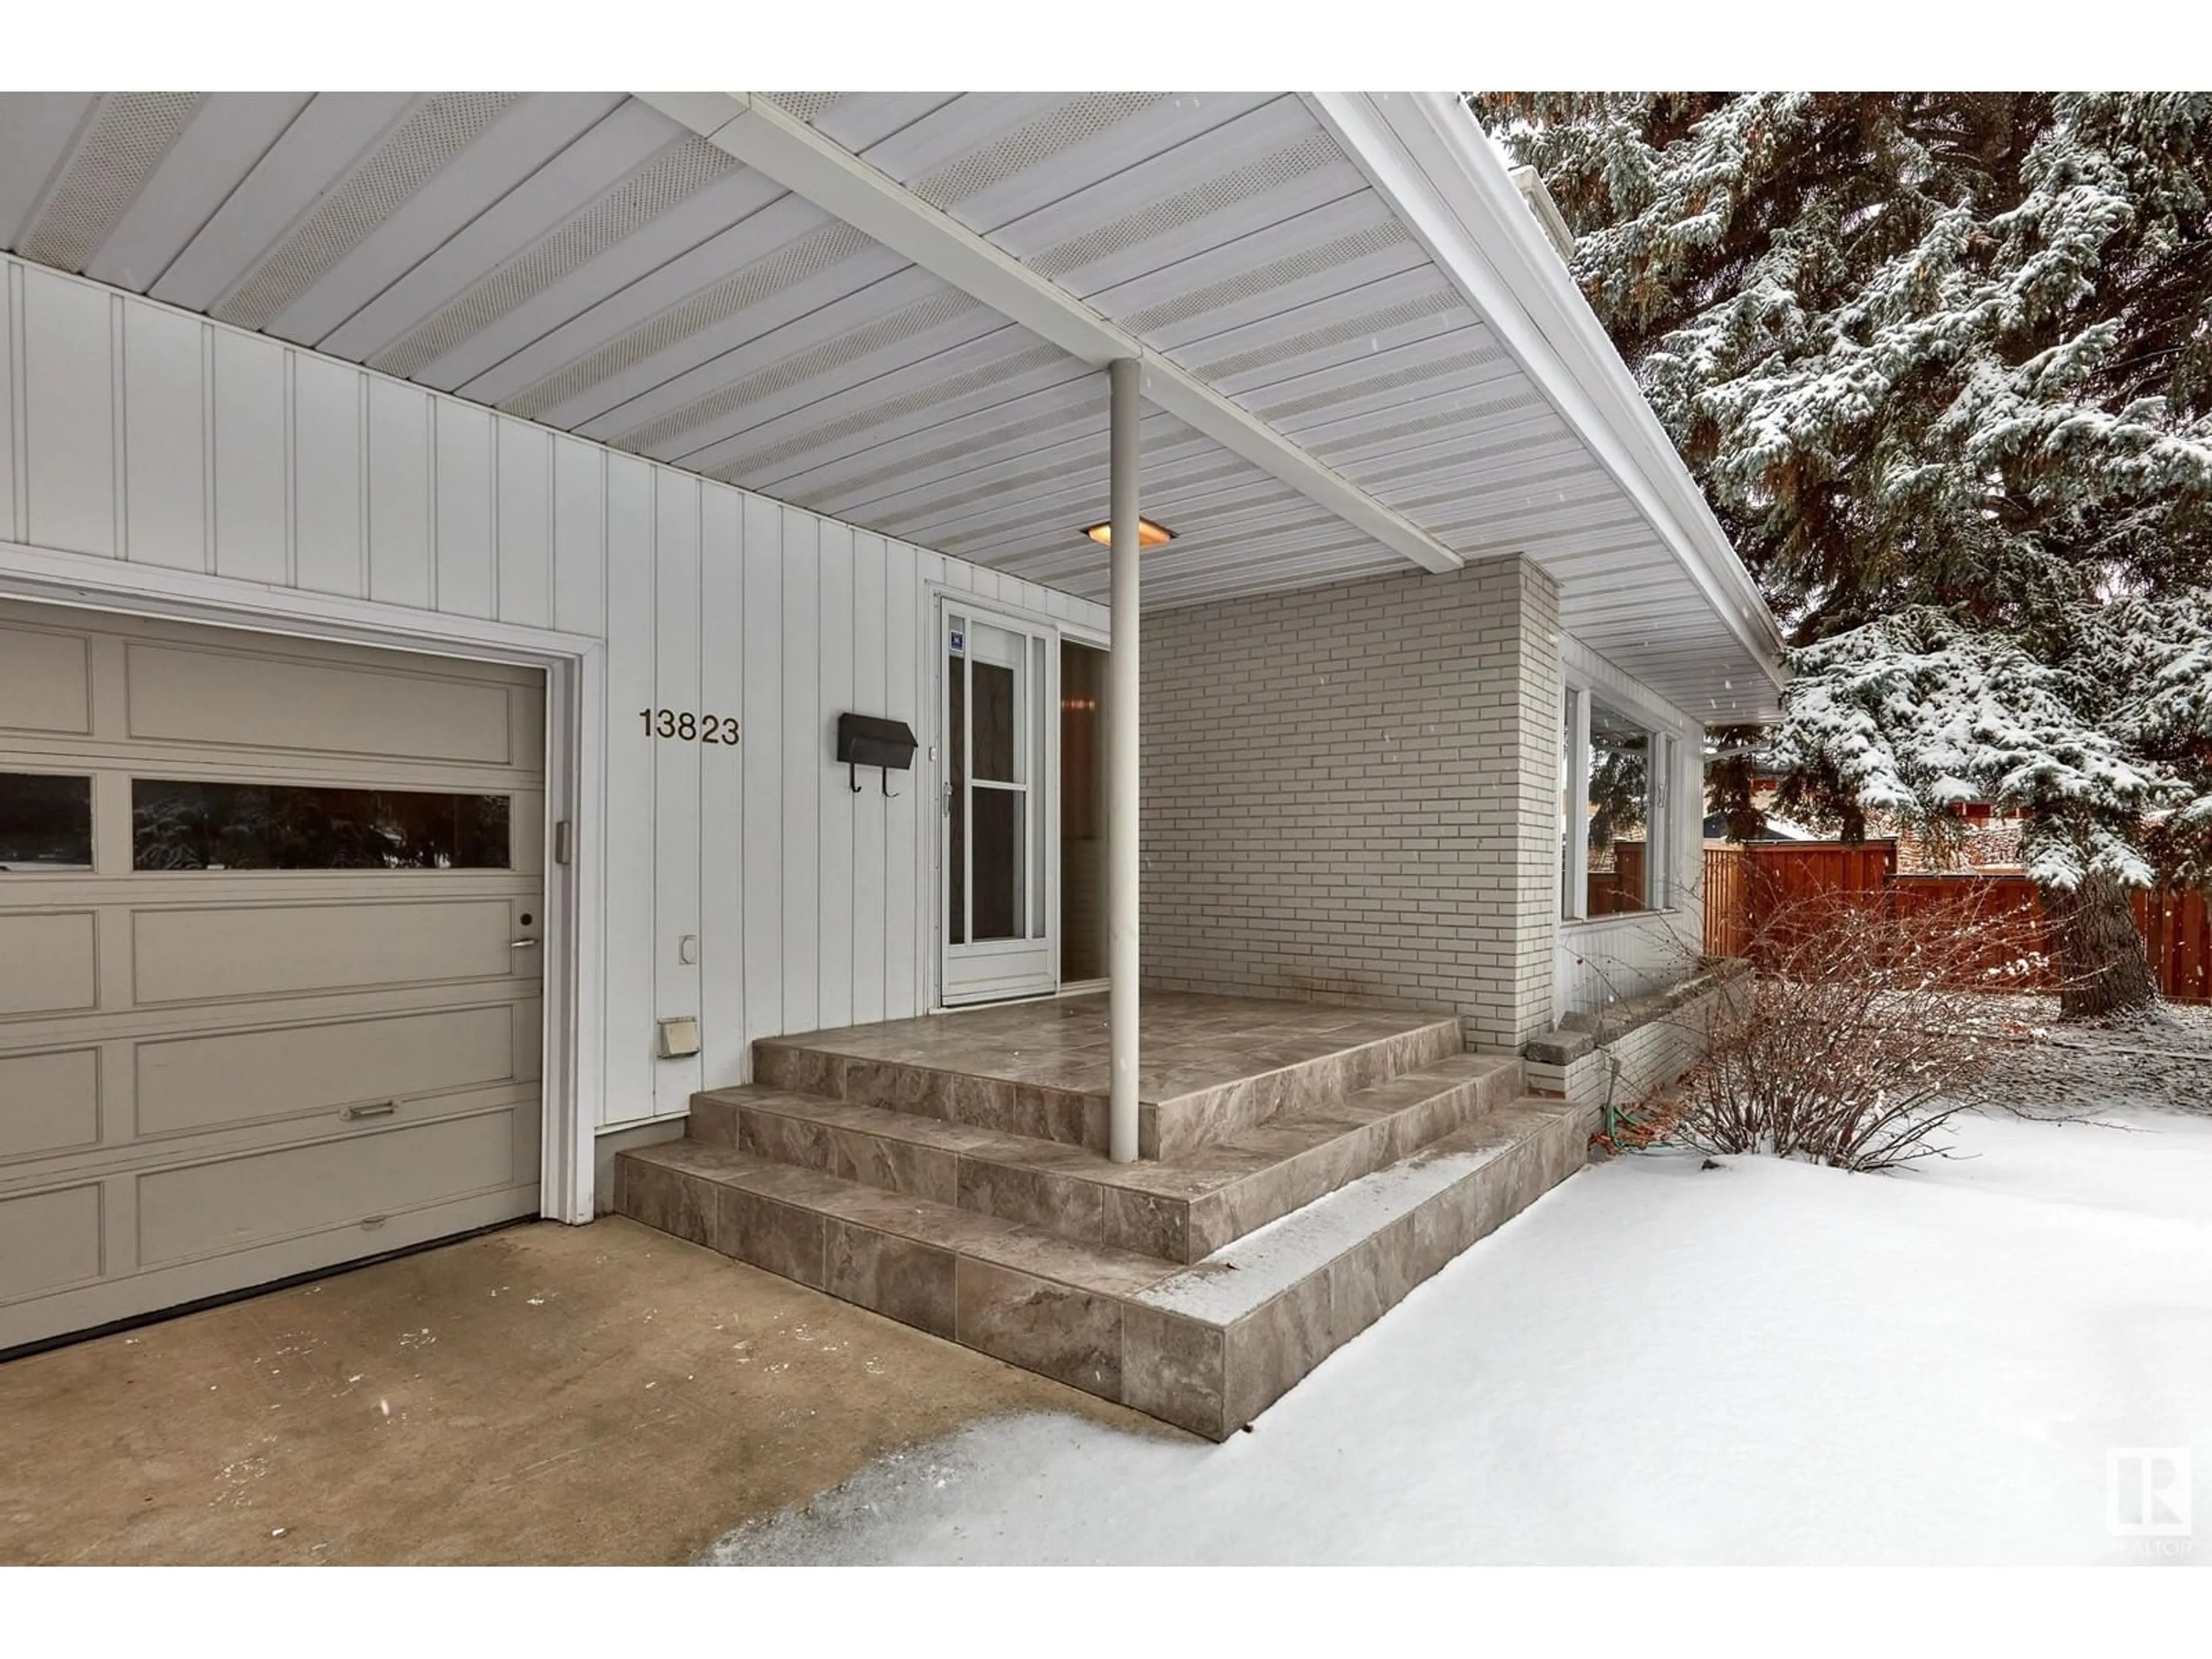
(1148, 534)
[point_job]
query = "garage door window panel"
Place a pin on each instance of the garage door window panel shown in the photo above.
(192, 824)
(46, 822)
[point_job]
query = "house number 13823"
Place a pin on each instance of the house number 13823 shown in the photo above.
(687, 727)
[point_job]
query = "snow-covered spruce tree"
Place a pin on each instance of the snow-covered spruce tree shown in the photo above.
(1943, 363)
(1918, 712)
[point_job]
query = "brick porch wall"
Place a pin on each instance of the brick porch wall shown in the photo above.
(1351, 793)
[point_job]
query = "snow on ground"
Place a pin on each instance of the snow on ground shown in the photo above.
(1765, 1362)
(2046, 1069)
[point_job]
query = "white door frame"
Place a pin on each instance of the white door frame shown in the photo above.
(1097, 639)
(938, 597)
(575, 666)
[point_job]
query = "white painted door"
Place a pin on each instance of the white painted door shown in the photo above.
(996, 797)
(269, 975)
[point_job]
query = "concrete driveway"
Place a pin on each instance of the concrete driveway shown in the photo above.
(541, 1394)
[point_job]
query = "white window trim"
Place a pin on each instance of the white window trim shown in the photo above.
(1574, 867)
(1661, 896)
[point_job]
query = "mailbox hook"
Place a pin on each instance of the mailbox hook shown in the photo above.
(853, 771)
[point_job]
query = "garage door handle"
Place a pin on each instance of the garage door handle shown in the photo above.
(522, 944)
(385, 1110)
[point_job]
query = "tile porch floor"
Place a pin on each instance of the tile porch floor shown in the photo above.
(1189, 1042)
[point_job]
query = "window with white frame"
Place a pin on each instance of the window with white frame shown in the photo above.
(1615, 792)
(1570, 773)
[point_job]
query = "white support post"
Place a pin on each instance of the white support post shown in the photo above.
(1121, 761)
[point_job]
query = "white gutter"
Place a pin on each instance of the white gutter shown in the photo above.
(1423, 152)
(787, 150)
(1538, 194)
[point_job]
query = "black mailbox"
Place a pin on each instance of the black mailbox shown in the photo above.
(865, 741)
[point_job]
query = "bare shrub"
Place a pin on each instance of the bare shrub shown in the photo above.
(1857, 1039)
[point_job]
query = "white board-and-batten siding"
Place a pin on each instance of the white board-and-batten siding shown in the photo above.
(142, 435)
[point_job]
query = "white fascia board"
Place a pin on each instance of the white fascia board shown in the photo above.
(1423, 154)
(773, 143)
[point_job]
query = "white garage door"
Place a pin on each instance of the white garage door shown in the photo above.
(269, 980)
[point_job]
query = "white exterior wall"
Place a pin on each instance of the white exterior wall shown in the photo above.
(1604, 960)
(1349, 793)
(140, 435)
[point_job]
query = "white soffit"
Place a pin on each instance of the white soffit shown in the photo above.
(892, 307)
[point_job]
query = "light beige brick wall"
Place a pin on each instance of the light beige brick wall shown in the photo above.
(1351, 793)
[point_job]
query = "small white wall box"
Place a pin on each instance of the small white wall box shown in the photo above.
(678, 1038)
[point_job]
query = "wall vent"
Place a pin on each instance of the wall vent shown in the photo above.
(946, 306)
(437, 129)
(1261, 279)
(763, 279)
(1188, 206)
(1369, 323)
(679, 171)
(1034, 141)
(125, 142)
(878, 411)
(807, 107)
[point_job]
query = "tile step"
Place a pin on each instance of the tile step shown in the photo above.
(1207, 1346)
(1180, 1109)
(1180, 1211)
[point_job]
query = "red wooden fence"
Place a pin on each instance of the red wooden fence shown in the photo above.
(1744, 884)
(1728, 902)
(2008, 904)
(2177, 928)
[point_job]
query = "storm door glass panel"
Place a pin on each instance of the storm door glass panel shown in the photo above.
(192, 824)
(994, 747)
(46, 822)
(1619, 813)
(994, 722)
(1001, 869)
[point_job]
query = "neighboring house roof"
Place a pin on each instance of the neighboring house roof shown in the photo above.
(1777, 829)
(1361, 350)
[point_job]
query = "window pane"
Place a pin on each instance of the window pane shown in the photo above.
(179, 825)
(994, 722)
(1620, 810)
(46, 822)
(1001, 871)
(1082, 812)
(1567, 808)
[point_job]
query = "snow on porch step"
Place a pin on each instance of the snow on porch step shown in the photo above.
(1182, 1210)
(1205, 1346)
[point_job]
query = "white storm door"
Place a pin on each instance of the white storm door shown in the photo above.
(994, 801)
